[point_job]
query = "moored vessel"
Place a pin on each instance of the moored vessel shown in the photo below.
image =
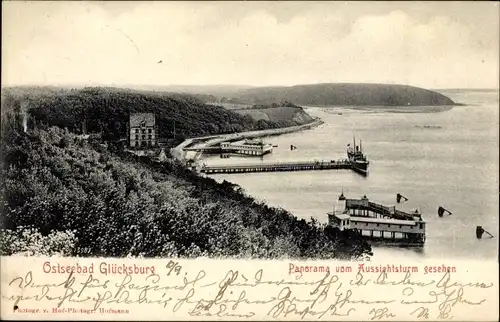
(357, 158)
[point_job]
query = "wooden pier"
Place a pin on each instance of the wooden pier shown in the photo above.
(284, 166)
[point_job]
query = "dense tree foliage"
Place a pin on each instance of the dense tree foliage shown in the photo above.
(285, 115)
(107, 110)
(274, 105)
(64, 195)
(344, 94)
(328, 94)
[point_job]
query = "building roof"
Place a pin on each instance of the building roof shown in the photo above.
(137, 118)
(342, 216)
(248, 143)
(253, 142)
(384, 221)
(339, 215)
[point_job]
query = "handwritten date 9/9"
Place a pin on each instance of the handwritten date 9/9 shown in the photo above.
(175, 267)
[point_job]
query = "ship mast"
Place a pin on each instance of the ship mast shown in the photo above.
(360, 148)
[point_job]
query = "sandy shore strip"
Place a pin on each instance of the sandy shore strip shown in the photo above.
(178, 153)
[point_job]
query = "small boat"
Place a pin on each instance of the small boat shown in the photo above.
(428, 126)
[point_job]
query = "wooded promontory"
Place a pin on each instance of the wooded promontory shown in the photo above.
(346, 94)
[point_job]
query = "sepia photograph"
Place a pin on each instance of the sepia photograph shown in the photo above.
(299, 139)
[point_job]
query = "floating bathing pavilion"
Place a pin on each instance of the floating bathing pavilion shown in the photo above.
(247, 147)
(250, 147)
(375, 221)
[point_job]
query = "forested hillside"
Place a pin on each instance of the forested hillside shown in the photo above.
(107, 110)
(344, 94)
(277, 113)
(64, 195)
(330, 94)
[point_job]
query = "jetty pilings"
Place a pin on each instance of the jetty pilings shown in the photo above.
(276, 167)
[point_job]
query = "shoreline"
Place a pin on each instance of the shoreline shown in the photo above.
(178, 153)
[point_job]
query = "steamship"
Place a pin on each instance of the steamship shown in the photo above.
(357, 158)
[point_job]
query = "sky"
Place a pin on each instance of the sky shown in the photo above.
(433, 45)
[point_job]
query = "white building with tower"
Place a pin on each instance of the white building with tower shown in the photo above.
(375, 221)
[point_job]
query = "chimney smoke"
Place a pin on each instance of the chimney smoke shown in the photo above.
(25, 122)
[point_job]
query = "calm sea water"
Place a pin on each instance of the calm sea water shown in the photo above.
(453, 164)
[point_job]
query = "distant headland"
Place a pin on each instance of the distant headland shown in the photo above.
(324, 94)
(346, 94)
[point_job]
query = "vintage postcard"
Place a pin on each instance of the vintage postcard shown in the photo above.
(178, 161)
